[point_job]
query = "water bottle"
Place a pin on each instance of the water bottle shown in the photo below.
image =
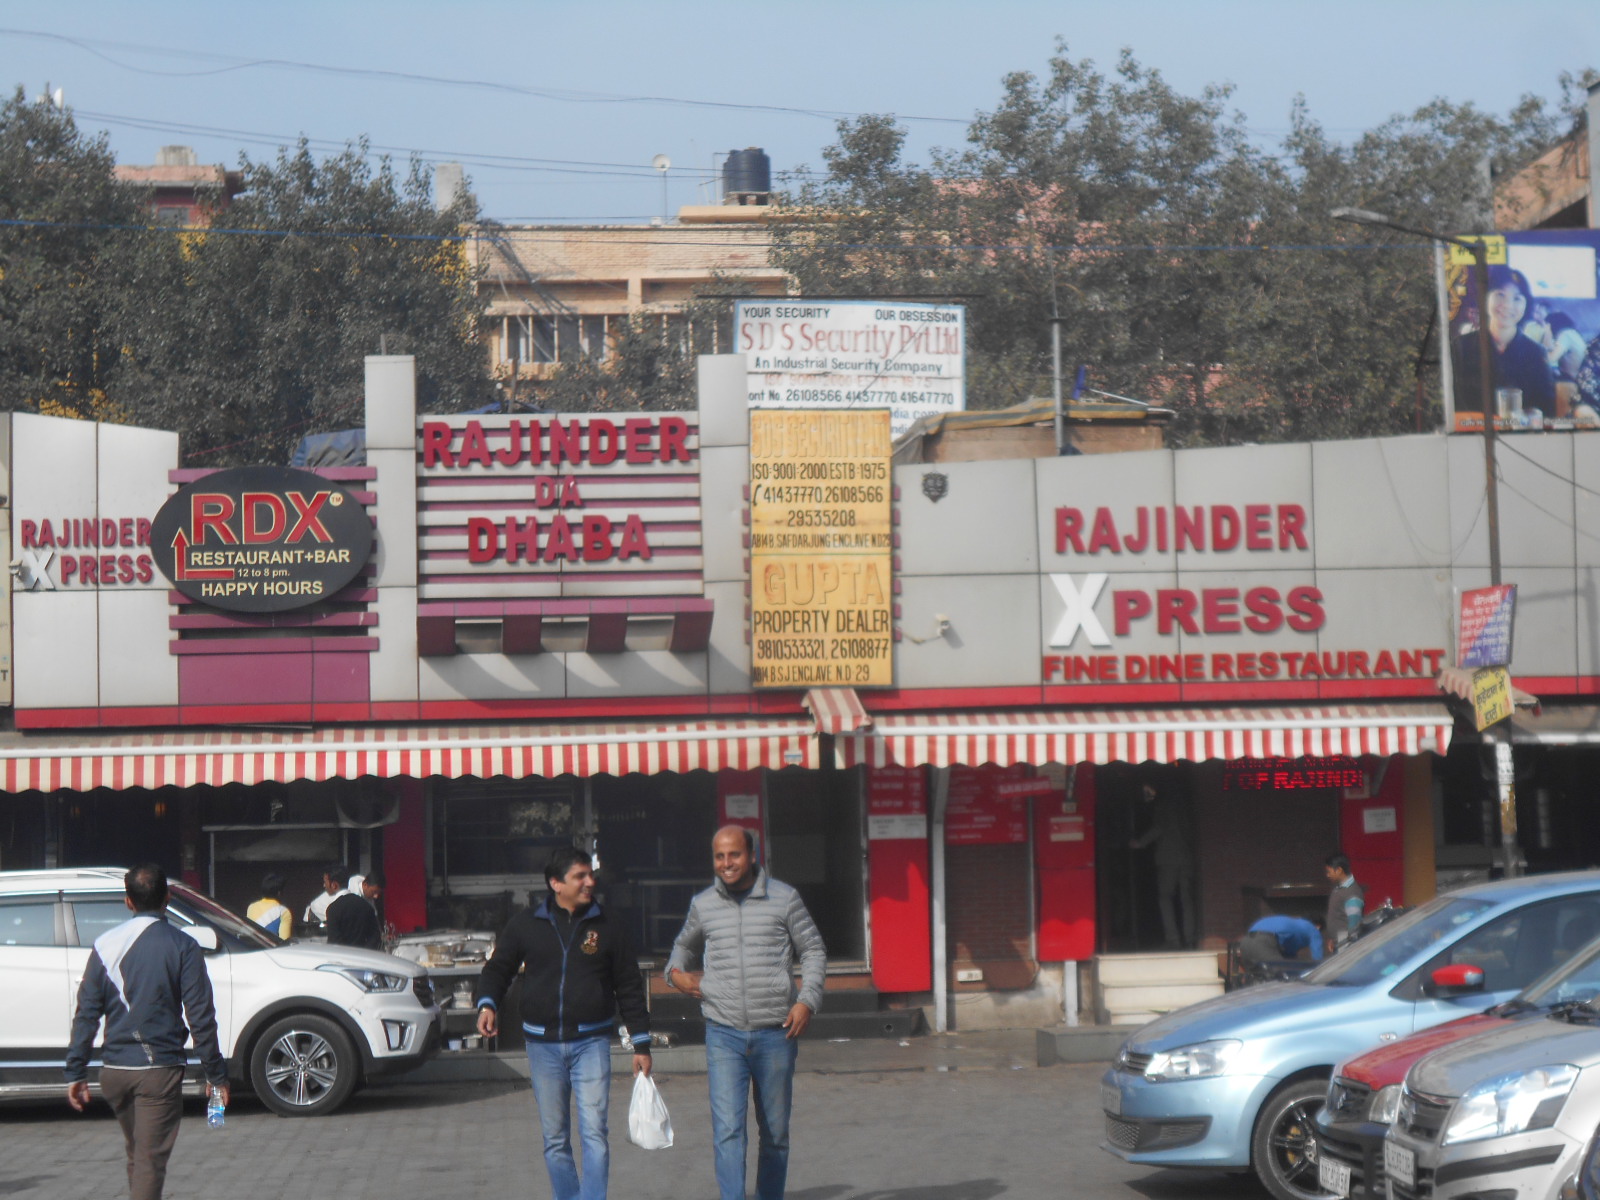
(216, 1116)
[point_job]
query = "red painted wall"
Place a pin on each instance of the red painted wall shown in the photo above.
(897, 879)
(1063, 856)
(405, 867)
(1377, 855)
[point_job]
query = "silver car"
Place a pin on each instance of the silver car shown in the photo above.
(1508, 1114)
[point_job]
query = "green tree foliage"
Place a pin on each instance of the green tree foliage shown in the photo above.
(1191, 266)
(241, 341)
(267, 330)
(60, 325)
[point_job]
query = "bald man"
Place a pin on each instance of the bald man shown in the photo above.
(747, 930)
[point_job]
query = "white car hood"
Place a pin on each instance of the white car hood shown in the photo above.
(310, 956)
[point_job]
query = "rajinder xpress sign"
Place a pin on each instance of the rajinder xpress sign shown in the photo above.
(907, 358)
(261, 539)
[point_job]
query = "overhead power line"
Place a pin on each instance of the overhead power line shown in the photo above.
(472, 158)
(227, 63)
(656, 240)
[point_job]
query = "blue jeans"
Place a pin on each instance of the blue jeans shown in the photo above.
(740, 1064)
(561, 1071)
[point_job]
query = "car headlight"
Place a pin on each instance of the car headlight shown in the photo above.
(369, 980)
(1511, 1104)
(1385, 1104)
(1199, 1061)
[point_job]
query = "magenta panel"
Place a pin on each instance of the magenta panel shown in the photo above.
(261, 679)
(342, 678)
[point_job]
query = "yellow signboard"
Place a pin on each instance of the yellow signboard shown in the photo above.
(1460, 256)
(1491, 695)
(821, 549)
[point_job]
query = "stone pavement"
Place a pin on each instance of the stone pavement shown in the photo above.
(956, 1124)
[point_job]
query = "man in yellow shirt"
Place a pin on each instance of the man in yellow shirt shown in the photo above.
(270, 912)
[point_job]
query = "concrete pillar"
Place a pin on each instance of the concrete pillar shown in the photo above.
(391, 421)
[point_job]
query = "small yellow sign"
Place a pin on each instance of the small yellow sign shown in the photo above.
(1460, 256)
(821, 549)
(1491, 695)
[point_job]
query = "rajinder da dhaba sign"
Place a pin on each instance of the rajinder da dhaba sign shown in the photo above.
(1242, 608)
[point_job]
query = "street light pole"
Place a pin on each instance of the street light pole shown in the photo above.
(1505, 776)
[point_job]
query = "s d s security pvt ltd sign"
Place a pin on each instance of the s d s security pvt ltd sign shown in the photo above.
(261, 539)
(907, 358)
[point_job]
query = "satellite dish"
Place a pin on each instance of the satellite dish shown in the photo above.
(661, 162)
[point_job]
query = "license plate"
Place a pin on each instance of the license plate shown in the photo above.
(1400, 1164)
(1111, 1099)
(1333, 1176)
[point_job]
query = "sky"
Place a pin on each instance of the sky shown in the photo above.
(557, 110)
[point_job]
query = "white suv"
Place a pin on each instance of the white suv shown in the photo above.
(303, 1025)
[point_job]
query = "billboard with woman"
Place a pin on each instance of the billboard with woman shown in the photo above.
(1542, 321)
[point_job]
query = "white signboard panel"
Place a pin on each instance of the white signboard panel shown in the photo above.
(908, 358)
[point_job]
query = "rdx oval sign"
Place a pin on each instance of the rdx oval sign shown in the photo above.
(261, 539)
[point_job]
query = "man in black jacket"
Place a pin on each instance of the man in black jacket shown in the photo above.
(145, 977)
(578, 967)
(353, 916)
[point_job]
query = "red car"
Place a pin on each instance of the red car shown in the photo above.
(1365, 1092)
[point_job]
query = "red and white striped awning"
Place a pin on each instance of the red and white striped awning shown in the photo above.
(184, 759)
(1147, 735)
(837, 710)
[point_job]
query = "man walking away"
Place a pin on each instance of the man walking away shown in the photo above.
(747, 929)
(149, 982)
(270, 912)
(1347, 902)
(353, 916)
(579, 967)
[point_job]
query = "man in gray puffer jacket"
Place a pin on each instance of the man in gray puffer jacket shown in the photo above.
(747, 929)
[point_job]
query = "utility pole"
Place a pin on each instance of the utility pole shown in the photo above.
(1498, 739)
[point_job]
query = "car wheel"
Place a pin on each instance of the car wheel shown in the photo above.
(303, 1066)
(1283, 1150)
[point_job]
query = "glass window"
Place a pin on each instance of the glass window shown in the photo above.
(500, 826)
(594, 338)
(1517, 948)
(1577, 975)
(544, 340)
(569, 346)
(1381, 954)
(97, 914)
(30, 922)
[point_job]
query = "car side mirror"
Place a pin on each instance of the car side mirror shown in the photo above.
(1457, 979)
(205, 936)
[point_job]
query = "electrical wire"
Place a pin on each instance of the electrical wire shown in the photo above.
(1560, 520)
(232, 63)
(655, 239)
(1573, 483)
(506, 162)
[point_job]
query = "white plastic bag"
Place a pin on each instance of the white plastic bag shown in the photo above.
(649, 1126)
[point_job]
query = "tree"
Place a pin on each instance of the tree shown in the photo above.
(1192, 267)
(260, 335)
(61, 329)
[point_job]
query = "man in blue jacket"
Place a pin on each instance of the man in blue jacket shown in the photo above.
(146, 978)
(747, 930)
(579, 968)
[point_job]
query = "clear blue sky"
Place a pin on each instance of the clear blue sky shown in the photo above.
(140, 71)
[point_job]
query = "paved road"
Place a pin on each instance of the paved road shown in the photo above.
(921, 1134)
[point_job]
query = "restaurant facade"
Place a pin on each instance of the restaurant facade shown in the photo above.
(1000, 719)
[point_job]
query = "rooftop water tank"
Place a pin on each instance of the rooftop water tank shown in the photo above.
(746, 176)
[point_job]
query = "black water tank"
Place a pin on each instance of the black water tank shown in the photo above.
(747, 172)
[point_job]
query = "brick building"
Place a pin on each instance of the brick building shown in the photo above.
(554, 293)
(183, 191)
